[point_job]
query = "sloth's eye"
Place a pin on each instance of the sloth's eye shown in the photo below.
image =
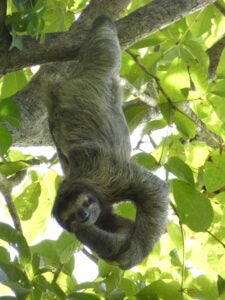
(89, 201)
(92, 200)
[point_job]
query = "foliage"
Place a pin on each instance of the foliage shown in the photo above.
(185, 139)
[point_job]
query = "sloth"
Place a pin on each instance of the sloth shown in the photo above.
(89, 130)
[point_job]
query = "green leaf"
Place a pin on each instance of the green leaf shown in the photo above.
(161, 290)
(56, 17)
(200, 23)
(10, 113)
(11, 168)
(204, 287)
(26, 203)
(45, 286)
(134, 115)
(184, 124)
(176, 73)
(82, 296)
(18, 23)
(128, 286)
(221, 65)
(47, 250)
(19, 2)
(146, 160)
(221, 286)
(175, 259)
(154, 125)
(216, 87)
(4, 255)
(180, 169)
(214, 172)
(14, 237)
(14, 278)
(66, 246)
(12, 83)
(5, 140)
(126, 209)
(49, 253)
(174, 232)
(194, 208)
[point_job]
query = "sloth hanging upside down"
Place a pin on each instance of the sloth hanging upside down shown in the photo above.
(91, 136)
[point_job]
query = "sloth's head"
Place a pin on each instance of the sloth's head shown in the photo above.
(77, 209)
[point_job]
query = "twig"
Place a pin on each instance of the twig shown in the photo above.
(6, 189)
(57, 273)
(90, 256)
(183, 248)
(134, 91)
(216, 238)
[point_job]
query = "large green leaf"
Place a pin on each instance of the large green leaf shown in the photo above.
(15, 238)
(11, 168)
(146, 160)
(66, 246)
(214, 171)
(134, 115)
(160, 290)
(27, 202)
(9, 113)
(176, 80)
(184, 124)
(180, 169)
(50, 254)
(16, 279)
(12, 83)
(194, 208)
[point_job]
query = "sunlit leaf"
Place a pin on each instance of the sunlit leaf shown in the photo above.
(194, 208)
(146, 160)
(5, 140)
(179, 168)
(214, 173)
(27, 202)
(12, 83)
(184, 124)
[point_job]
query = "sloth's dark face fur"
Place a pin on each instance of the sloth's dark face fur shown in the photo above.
(82, 211)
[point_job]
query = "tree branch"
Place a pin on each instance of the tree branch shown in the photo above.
(5, 189)
(136, 26)
(112, 9)
(155, 16)
(3, 8)
(4, 35)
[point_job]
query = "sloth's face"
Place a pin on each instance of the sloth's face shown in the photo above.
(82, 211)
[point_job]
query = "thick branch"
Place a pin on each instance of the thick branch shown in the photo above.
(4, 36)
(134, 27)
(3, 8)
(155, 16)
(98, 7)
(214, 54)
